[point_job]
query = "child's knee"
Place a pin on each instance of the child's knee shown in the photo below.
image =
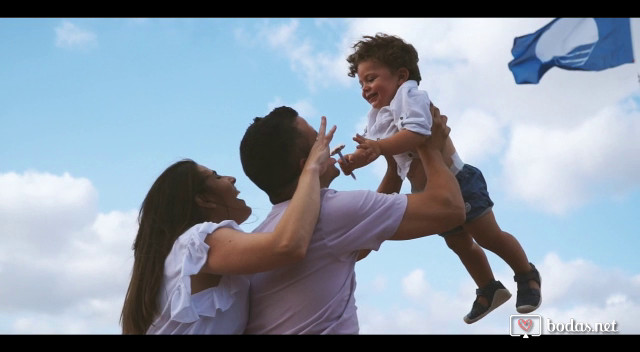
(459, 242)
(493, 239)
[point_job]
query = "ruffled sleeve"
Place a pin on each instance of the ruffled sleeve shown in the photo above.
(187, 257)
(230, 289)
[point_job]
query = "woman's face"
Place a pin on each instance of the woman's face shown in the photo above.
(221, 191)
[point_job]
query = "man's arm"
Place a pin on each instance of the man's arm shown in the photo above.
(439, 207)
(391, 182)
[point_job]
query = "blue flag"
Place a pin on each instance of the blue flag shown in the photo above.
(586, 44)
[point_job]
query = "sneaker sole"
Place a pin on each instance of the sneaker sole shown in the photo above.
(527, 308)
(501, 296)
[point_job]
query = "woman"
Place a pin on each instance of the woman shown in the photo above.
(190, 254)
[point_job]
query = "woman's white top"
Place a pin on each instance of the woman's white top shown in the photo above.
(217, 310)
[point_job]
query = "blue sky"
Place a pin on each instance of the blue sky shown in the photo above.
(93, 110)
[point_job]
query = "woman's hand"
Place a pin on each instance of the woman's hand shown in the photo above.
(319, 153)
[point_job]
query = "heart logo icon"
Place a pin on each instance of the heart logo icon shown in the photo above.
(526, 325)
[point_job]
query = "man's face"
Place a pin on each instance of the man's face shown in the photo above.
(331, 171)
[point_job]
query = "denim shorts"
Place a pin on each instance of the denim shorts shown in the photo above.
(474, 193)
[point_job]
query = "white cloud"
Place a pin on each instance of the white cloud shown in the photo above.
(477, 135)
(34, 209)
(318, 68)
(558, 169)
(414, 285)
(576, 289)
(68, 35)
(79, 287)
(65, 267)
(87, 316)
(563, 142)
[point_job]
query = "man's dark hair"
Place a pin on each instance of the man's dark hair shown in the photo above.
(271, 150)
(389, 50)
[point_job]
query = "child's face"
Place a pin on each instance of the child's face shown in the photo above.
(378, 84)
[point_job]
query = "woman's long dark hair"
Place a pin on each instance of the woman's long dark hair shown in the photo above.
(168, 210)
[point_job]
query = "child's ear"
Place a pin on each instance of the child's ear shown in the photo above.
(403, 74)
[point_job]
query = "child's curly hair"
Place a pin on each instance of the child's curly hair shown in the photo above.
(389, 50)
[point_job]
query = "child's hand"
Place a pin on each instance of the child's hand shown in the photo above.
(368, 148)
(345, 166)
(366, 152)
(352, 161)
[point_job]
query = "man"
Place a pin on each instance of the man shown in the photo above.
(316, 295)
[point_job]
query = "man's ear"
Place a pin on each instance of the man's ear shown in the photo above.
(202, 201)
(302, 162)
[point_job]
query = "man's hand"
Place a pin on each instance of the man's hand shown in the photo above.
(439, 207)
(439, 129)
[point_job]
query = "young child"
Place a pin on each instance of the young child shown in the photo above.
(387, 69)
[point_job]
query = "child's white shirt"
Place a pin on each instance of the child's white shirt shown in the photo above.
(408, 110)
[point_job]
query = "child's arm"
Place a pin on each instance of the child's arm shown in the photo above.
(400, 142)
(368, 150)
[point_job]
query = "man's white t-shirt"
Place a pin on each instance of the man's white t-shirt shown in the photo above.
(316, 295)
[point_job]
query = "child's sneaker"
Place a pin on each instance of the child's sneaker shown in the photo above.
(528, 298)
(495, 293)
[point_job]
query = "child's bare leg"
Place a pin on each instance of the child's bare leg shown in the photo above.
(487, 233)
(473, 258)
(490, 293)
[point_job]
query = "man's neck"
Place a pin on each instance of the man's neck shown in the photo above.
(284, 194)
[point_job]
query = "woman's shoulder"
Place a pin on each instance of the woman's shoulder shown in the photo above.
(192, 243)
(201, 230)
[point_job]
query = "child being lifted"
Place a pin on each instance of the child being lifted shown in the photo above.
(387, 69)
